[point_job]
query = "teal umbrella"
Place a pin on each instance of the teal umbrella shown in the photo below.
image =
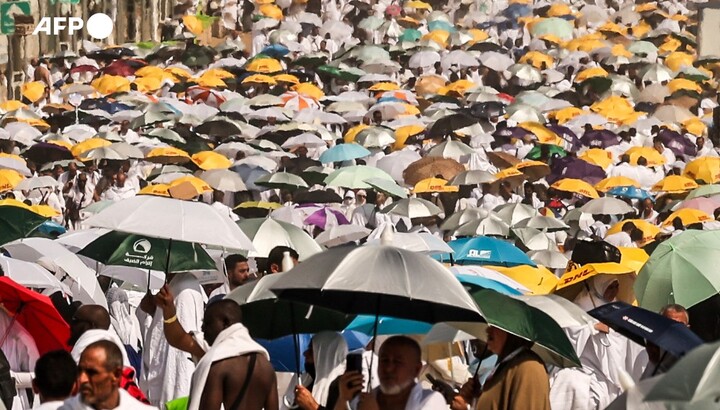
(389, 187)
(553, 26)
(681, 270)
(147, 253)
(410, 35)
(354, 177)
(527, 322)
(17, 223)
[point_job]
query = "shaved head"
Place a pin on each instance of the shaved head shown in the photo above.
(88, 317)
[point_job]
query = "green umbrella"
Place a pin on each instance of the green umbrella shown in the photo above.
(312, 60)
(553, 26)
(705, 190)
(354, 177)
(527, 322)
(691, 381)
(267, 233)
(338, 73)
(282, 180)
(143, 252)
(389, 187)
(411, 35)
(681, 270)
(17, 223)
(553, 149)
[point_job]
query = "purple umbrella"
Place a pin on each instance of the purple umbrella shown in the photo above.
(511, 132)
(325, 218)
(677, 143)
(599, 139)
(567, 135)
(570, 167)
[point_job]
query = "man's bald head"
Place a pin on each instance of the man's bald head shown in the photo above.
(219, 316)
(677, 313)
(88, 317)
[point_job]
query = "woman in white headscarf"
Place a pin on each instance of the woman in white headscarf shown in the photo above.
(125, 324)
(599, 290)
(324, 362)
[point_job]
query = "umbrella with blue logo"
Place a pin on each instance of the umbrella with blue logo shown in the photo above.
(484, 250)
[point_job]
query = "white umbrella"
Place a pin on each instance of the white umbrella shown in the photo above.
(459, 58)
(36, 183)
(32, 275)
(172, 219)
(66, 266)
(474, 177)
(451, 149)
(394, 164)
(267, 233)
(534, 239)
(460, 218)
(486, 273)
(412, 208)
(549, 259)
(15, 165)
(496, 61)
(490, 226)
(423, 242)
(223, 180)
(543, 223)
(305, 139)
(423, 59)
(341, 234)
(514, 213)
(606, 206)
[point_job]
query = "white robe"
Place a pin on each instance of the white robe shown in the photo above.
(127, 402)
(167, 371)
(232, 342)
(125, 324)
(21, 352)
(419, 399)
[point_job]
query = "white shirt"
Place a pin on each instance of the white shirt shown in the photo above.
(127, 402)
(419, 399)
(620, 240)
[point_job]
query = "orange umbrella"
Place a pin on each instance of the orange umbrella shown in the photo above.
(598, 157)
(612, 182)
(653, 157)
(704, 169)
(576, 186)
(168, 155)
(211, 160)
(433, 185)
(688, 216)
(156, 190)
(675, 184)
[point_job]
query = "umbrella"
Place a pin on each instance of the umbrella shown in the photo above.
(538, 280)
(643, 326)
(325, 218)
(117, 248)
(281, 180)
(554, 26)
(515, 212)
(491, 226)
(704, 169)
(572, 282)
(469, 274)
(36, 313)
(707, 205)
(549, 259)
(387, 326)
(223, 180)
(343, 152)
(675, 184)
(431, 167)
(473, 177)
(704, 191)
(457, 219)
(422, 242)
(354, 177)
(483, 250)
(32, 275)
(576, 186)
(17, 221)
(451, 149)
(630, 192)
(412, 208)
(527, 322)
(341, 234)
(607, 206)
(267, 233)
(541, 222)
(172, 219)
(388, 187)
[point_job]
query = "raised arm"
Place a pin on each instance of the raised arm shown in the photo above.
(176, 336)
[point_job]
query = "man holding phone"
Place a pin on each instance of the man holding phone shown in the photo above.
(400, 363)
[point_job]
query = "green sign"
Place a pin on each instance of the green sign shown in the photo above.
(7, 14)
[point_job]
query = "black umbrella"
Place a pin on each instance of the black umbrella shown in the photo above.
(446, 125)
(316, 197)
(643, 326)
(43, 152)
(488, 109)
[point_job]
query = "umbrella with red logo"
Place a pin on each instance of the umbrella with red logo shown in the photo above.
(36, 313)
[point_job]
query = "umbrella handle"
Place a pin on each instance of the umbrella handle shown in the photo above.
(12, 322)
(374, 339)
(296, 341)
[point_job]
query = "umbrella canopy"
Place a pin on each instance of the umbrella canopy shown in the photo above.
(422, 242)
(412, 208)
(341, 234)
(379, 280)
(267, 233)
(325, 218)
(643, 326)
(117, 248)
(606, 206)
(223, 180)
(282, 180)
(17, 221)
(172, 219)
(354, 177)
(572, 282)
(485, 250)
(344, 152)
(527, 322)
(576, 186)
(37, 314)
(431, 167)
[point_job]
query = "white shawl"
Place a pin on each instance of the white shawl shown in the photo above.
(232, 342)
(126, 325)
(96, 335)
(329, 352)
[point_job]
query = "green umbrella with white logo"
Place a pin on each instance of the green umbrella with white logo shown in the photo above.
(147, 253)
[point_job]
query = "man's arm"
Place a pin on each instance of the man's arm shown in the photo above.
(176, 336)
(212, 396)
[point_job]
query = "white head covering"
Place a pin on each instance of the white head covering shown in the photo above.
(329, 351)
(597, 285)
(125, 324)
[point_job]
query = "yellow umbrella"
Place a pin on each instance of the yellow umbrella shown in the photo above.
(544, 134)
(649, 230)
(87, 145)
(477, 35)
(150, 70)
(259, 204)
(611, 27)
(193, 24)
(403, 133)
(559, 10)
(619, 50)
(539, 280)
(418, 5)
(705, 169)
(597, 156)
(669, 45)
(264, 65)
(156, 190)
(272, 11)
(639, 30)
(12, 105)
(210, 82)
(440, 37)
(695, 126)
(688, 216)
(590, 73)
(633, 258)
(168, 155)
(219, 73)
(178, 72)
(576, 186)
(613, 107)
(511, 175)
(678, 84)
(675, 184)
(534, 170)
(309, 90)
(645, 7)
(148, 84)
(9, 179)
(460, 86)
(585, 44)
(198, 184)
(16, 203)
(433, 185)
(566, 114)
(384, 86)
(653, 157)
(353, 132)
(551, 38)
(211, 160)
(109, 84)
(33, 91)
(45, 210)
(286, 78)
(537, 59)
(572, 282)
(612, 182)
(259, 79)
(677, 60)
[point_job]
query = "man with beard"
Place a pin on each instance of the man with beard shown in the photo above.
(398, 368)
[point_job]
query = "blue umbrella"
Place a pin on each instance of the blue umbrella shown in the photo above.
(388, 326)
(51, 228)
(344, 152)
(516, 10)
(249, 175)
(282, 352)
(630, 192)
(484, 250)
(275, 50)
(473, 282)
(643, 326)
(355, 340)
(441, 25)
